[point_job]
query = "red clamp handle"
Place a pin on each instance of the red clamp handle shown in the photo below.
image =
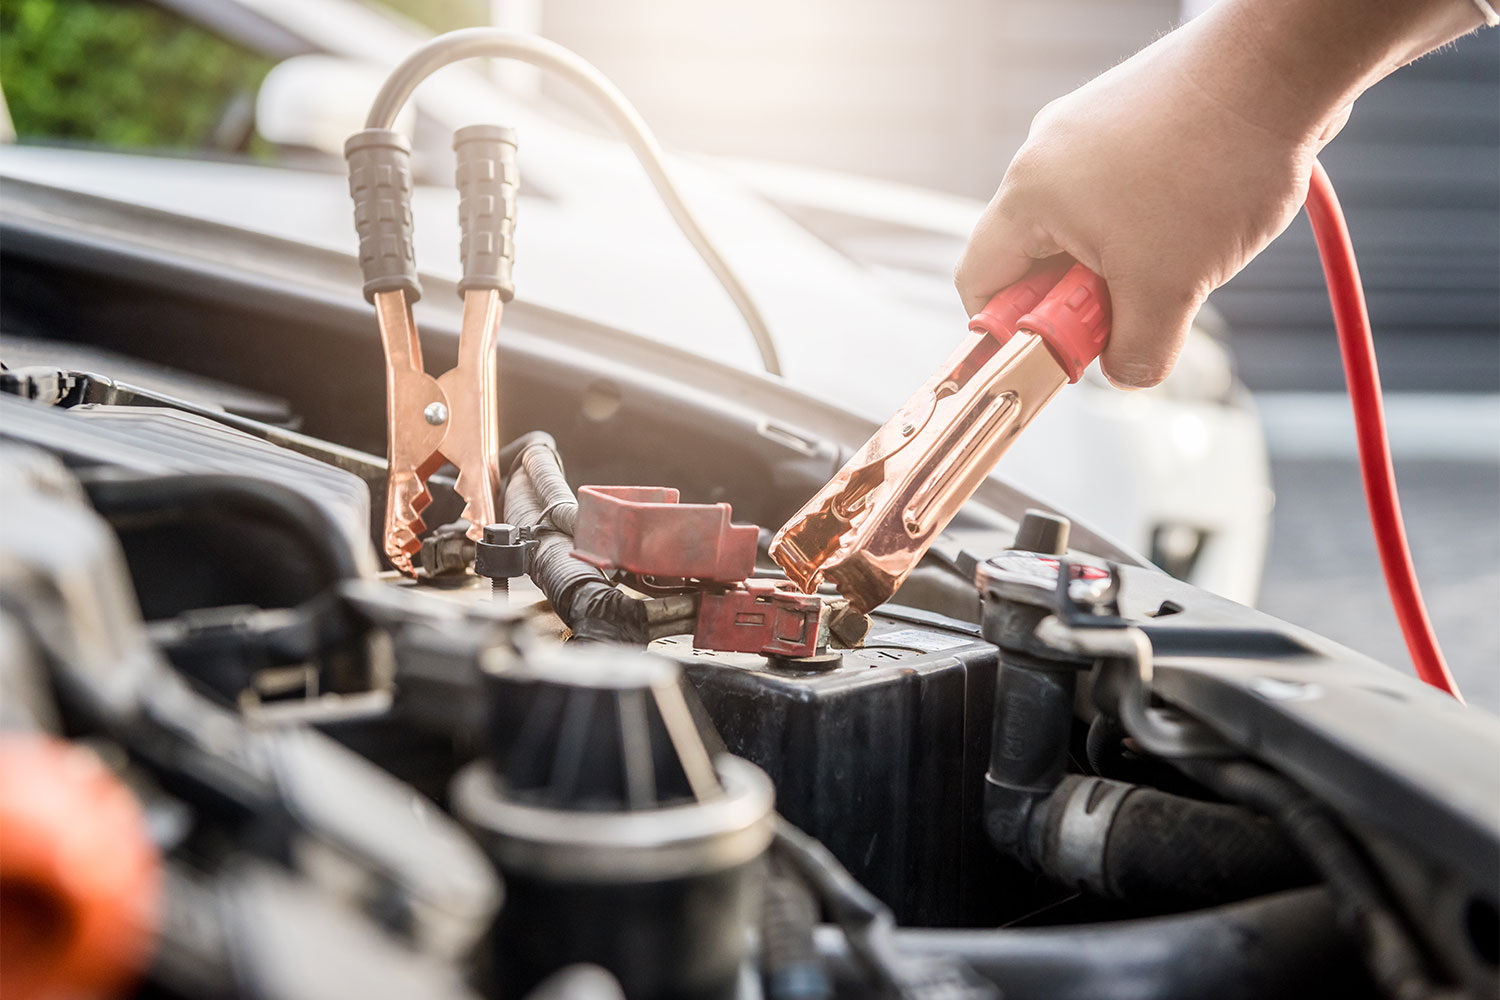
(1073, 319)
(1002, 313)
(1068, 307)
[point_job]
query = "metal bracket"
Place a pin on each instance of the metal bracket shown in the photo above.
(1124, 675)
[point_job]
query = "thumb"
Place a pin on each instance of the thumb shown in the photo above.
(1147, 332)
(998, 254)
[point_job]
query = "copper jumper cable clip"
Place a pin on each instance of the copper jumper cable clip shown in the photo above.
(451, 417)
(867, 529)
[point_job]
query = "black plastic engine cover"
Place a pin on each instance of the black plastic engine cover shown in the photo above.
(882, 758)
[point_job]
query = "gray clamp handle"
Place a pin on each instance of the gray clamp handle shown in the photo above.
(381, 185)
(488, 181)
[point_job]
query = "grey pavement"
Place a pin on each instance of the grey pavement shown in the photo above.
(1323, 572)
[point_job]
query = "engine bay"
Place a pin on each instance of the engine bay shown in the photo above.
(1044, 769)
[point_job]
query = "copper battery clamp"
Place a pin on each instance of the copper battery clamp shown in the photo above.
(866, 530)
(451, 417)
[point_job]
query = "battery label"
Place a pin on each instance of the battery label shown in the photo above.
(916, 638)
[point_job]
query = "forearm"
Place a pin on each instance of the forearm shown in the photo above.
(1292, 66)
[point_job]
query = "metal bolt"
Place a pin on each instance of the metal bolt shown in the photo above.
(1044, 532)
(846, 625)
(436, 413)
(907, 430)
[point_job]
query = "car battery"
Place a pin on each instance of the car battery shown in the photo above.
(879, 752)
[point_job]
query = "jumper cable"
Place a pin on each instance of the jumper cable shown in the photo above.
(869, 527)
(1351, 319)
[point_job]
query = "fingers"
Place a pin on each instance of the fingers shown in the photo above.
(999, 253)
(1147, 332)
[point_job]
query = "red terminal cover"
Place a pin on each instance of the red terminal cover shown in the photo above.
(765, 617)
(644, 530)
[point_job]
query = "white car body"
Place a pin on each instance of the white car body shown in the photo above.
(861, 322)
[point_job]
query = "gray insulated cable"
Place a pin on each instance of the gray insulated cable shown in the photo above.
(495, 43)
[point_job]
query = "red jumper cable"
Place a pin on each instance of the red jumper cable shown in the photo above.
(1357, 346)
(868, 528)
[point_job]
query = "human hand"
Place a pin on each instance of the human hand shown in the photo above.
(1166, 175)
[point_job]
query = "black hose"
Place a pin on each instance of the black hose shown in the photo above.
(1286, 946)
(1392, 957)
(1174, 852)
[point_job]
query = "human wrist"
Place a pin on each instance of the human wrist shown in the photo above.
(1291, 67)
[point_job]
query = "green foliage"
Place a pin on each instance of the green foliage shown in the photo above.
(122, 74)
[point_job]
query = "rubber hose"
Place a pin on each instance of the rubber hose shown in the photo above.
(1181, 852)
(1394, 960)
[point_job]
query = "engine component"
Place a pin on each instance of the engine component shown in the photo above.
(81, 877)
(789, 963)
(621, 841)
(1111, 838)
(868, 927)
(1158, 850)
(254, 930)
(768, 617)
(1287, 945)
(156, 443)
(880, 755)
(501, 555)
(1033, 719)
(1396, 961)
(64, 580)
(347, 839)
(645, 531)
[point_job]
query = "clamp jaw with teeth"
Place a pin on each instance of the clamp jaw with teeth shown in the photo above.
(867, 529)
(452, 417)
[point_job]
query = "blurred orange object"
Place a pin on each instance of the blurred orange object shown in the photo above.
(80, 878)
